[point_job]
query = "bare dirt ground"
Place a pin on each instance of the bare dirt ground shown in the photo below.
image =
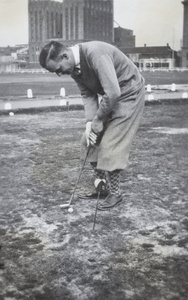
(138, 251)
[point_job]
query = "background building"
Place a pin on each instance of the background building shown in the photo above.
(45, 22)
(124, 37)
(153, 57)
(69, 22)
(184, 53)
(13, 58)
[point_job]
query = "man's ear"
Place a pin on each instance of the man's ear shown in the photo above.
(64, 55)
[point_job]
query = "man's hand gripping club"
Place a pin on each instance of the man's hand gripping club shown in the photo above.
(93, 131)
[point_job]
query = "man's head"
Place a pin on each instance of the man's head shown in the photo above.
(57, 58)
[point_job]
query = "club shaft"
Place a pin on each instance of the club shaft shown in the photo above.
(78, 180)
(96, 210)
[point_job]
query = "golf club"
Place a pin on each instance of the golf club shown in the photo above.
(66, 205)
(99, 188)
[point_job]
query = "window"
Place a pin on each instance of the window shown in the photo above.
(36, 26)
(165, 65)
(72, 23)
(47, 25)
(40, 28)
(67, 23)
(61, 25)
(76, 23)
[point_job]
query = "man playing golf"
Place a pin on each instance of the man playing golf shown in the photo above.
(101, 69)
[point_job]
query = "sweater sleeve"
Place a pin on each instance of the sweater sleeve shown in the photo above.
(90, 100)
(105, 71)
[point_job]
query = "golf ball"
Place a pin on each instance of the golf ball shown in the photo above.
(70, 210)
(11, 114)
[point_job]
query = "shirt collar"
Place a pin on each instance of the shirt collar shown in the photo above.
(76, 53)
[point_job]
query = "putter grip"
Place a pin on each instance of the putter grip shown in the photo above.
(99, 137)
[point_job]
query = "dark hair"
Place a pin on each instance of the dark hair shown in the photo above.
(50, 51)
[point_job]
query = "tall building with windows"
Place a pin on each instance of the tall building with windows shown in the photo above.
(185, 36)
(45, 22)
(69, 22)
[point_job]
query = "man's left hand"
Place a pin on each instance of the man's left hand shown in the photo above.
(97, 125)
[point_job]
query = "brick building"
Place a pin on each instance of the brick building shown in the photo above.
(69, 22)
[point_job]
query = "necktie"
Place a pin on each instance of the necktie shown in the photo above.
(77, 71)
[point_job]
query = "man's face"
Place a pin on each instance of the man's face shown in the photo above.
(61, 66)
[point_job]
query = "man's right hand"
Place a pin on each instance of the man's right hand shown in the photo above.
(87, 132)
(91, 137)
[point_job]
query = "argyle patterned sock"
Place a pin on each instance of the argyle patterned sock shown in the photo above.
(101, 175)
(114, 181)
(98, 173)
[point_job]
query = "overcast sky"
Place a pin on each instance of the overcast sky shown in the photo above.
(154, 22)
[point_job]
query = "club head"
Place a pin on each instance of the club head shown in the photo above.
(66, 205)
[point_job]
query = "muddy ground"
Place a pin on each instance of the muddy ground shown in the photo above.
(138, 251)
